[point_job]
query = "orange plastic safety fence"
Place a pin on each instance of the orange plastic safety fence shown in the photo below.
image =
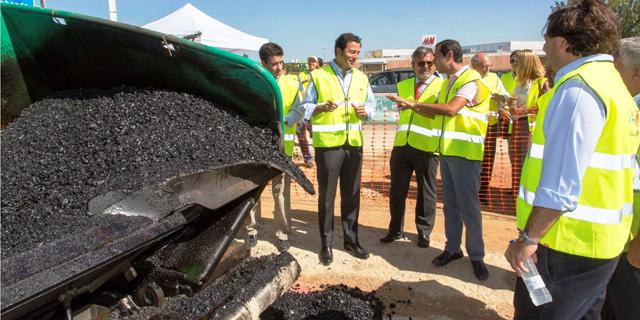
(506, 145)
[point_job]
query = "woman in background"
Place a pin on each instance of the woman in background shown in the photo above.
(531, 83)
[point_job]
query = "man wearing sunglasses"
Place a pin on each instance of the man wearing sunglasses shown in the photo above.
(509, 78)
(461, 113)
(413, 150)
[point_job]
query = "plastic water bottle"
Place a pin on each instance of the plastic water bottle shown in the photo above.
(535, 285)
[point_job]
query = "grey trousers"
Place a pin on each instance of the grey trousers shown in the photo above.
(460, 185)
(281, 189)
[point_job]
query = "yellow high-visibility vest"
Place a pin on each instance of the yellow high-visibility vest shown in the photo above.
(599, 226)
(304, 79)
(342, 125)
(288, 85)
(418, 131)
(508, 82)
(492, 82)
(532, 99)
(463, 134)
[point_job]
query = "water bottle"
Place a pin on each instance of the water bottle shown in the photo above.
(535, 285)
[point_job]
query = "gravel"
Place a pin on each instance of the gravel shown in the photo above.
(71, 147)
(333, 303)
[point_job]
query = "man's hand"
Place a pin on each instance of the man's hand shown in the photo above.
(327, 106)
(359, 110)
(633, 256)
(498, 97)
(520, 110)
(517, 253)
(402, 104)
(504, 114)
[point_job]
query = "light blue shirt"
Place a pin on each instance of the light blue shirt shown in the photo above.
(637, 99)
(572, 125)
(311, 96)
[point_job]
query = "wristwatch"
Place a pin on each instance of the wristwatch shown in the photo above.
(524, 238)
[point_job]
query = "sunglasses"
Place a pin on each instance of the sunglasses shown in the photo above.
(427, 63)
(513, 61)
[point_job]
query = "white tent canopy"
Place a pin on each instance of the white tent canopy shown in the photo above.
(189, 20)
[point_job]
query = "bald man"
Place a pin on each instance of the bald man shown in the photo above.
(481, 63)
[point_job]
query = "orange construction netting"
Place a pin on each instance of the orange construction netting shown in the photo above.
(506, 145)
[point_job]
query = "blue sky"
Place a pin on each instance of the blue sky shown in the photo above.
(304, 29)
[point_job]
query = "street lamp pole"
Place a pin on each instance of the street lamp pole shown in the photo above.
(113, 13)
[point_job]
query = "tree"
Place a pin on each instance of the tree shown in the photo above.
(628, 12)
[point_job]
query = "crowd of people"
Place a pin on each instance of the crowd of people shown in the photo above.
(573, 174)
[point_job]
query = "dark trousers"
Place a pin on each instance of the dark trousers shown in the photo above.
(404, 161)
(344, 164)
(518, 141)
(577, 286)
(623, 292)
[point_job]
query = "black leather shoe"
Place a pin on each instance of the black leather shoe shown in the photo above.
(252, 240)
(357, 251)
(389, 238)
(446, 257)
(283, 245)
(423, 242)
(480, 270)
(326, 256)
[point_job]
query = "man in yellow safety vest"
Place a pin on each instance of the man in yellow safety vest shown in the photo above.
(509, 78)
(623, 300)
(413, 150)
(574, 206)
(337, 100)
(462, 111)
(271, 58)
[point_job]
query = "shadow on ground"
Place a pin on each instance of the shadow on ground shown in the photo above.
(404, 255)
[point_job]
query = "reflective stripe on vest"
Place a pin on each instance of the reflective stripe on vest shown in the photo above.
(414, 129)
(342, 125)
(587, 213)
(598, 160)
(599, 225)
(288, 85)
(335, 128)
(463, 135)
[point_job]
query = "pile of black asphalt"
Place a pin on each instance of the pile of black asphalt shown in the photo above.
(220, 299)
(76, 145)
(332, 303)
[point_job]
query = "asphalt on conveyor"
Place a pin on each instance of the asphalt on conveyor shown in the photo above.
(225, 295)
(75, 145)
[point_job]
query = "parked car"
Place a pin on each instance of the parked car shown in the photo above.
(385, 81)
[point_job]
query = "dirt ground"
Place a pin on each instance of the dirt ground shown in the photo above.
(401, 273)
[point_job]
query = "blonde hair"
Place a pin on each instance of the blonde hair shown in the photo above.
(529, 67)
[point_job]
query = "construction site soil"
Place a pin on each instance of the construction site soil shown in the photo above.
(76, 145)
